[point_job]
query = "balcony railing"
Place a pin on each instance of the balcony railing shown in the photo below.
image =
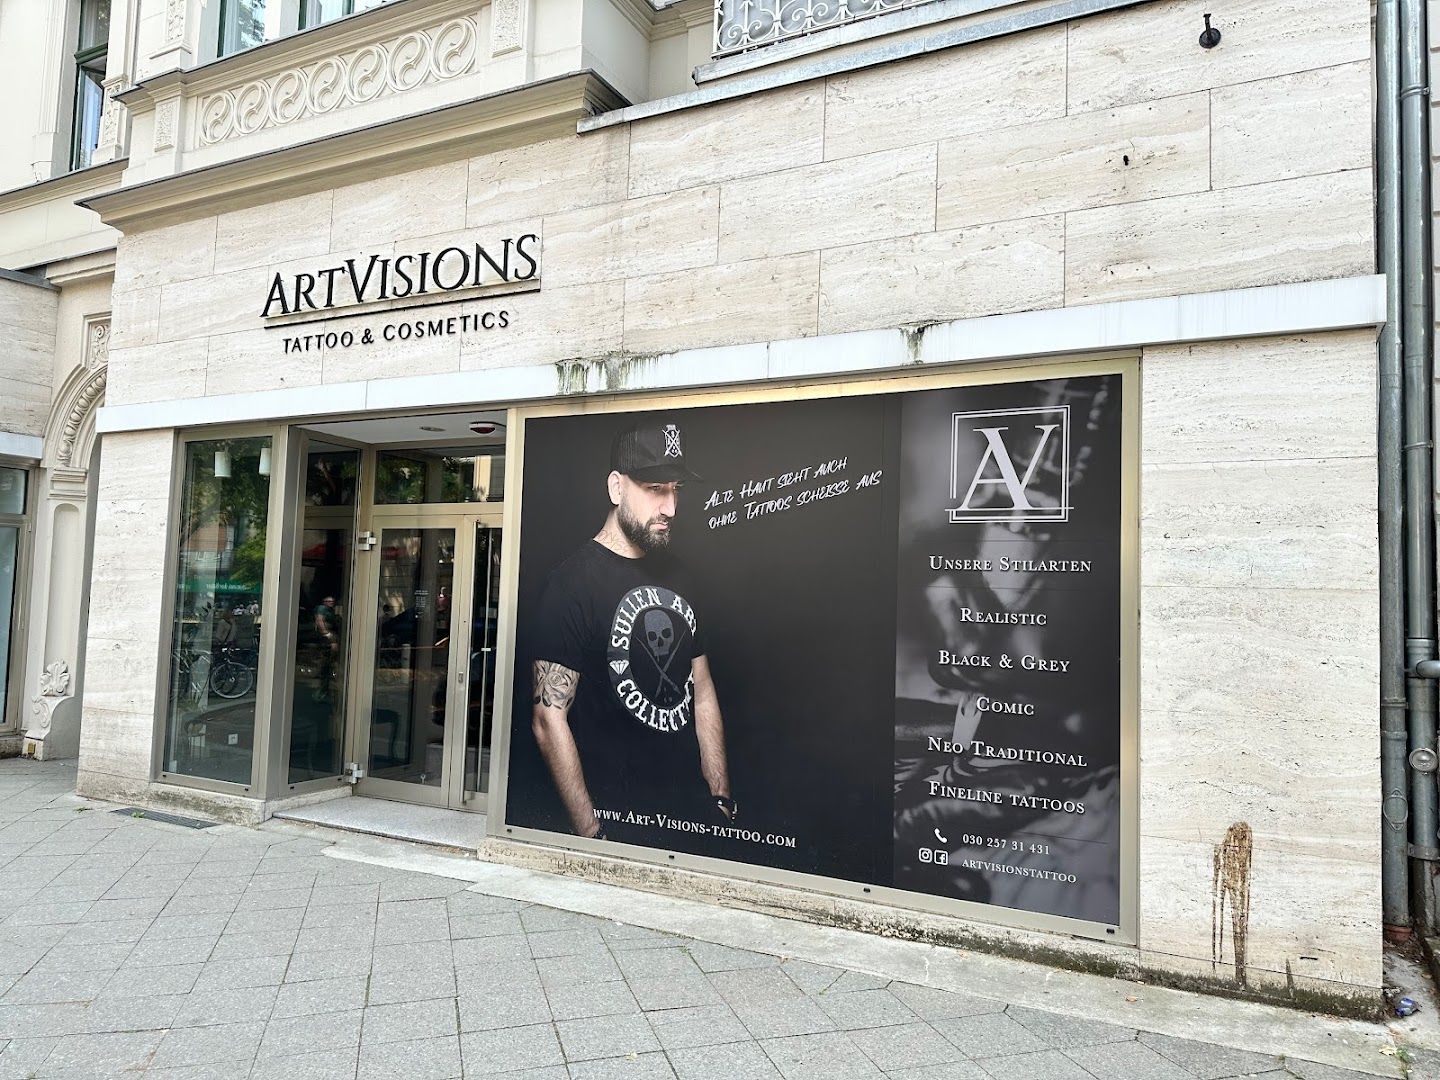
(747, 24)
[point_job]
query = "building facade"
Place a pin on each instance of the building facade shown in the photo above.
(1020, 360)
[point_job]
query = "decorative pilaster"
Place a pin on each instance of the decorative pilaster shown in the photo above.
(507, 26)
(114, 131)
(178, 50)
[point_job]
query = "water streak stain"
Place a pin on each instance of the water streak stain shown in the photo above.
(1231, 889)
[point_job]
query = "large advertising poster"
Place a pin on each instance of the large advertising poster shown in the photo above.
(874, 638)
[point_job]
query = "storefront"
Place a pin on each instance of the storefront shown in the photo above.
(975, 562)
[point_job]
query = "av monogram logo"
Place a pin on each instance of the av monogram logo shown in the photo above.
(1010, 465)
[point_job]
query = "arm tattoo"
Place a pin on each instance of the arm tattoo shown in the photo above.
(555, 684)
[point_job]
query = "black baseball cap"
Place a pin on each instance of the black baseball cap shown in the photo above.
(651, 451)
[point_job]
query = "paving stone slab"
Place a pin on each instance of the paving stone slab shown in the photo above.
(596, 999)
(741, 1060)
(639, 1067)
(1126, 1061)
(864, 1009)
(410, 1020)
(1208, 1061)
(705, 1025)
(391, 987)
(605, 1036)
(990, 1035)
(208, 1045)
(488, 1053)
(292, 1035)
(345, 994)
(826, 1056)
(906, 1046)
(322, 1065)
(421, 1059)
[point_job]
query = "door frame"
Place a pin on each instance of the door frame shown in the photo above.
(465, 519)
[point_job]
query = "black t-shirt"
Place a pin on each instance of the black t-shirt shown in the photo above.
(629, 629)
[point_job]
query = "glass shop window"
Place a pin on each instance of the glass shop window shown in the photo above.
(12, 540)
(318, 668)
(216, 633)
(463, 474)
(90, 53)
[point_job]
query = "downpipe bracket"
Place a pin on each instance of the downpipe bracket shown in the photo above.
(1427, 669)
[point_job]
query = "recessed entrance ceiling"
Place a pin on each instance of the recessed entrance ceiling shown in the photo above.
(438, 428)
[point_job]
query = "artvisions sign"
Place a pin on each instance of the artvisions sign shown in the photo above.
(379, 281)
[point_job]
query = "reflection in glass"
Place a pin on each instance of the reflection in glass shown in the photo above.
(412, 655)
(94, 23)
(315, 12)
(242, 25)
(215, 636)
(317, 709)
(462, 474)
(484, 632)
(12, 491)
(9, 558)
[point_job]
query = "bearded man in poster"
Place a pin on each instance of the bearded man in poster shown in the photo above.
(624, 708)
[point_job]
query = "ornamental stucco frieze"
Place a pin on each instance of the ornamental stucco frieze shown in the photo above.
(445, 50)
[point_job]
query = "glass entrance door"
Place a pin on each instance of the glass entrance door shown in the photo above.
(484, 634)
(425, 684)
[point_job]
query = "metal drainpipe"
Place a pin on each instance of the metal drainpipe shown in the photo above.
(1419, 501)
(1395, 807)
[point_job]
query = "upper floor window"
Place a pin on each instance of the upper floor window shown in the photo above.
(315, 12)
(247, 23)
(90, 49)
(242, 25)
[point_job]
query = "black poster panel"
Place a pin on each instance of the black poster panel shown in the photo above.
(1007, 664)
(879, 642)
(789, 573)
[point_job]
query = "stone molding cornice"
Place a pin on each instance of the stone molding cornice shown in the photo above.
(540, 110)
(67, 186)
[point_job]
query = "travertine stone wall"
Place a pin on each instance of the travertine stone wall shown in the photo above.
(27, 355)
(1110, 159)
(123, 644)
(1260, 652)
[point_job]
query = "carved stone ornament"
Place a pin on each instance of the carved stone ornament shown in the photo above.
(111, 113)
(436, 53)
(84, 404)
(97, 343)
(174, 21)
(55, 679)
(166, 114)
(40, 708)
(505, 30)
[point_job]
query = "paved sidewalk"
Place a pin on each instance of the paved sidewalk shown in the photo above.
(130, 946)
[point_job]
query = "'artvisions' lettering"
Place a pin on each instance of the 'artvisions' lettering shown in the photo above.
(395, 277)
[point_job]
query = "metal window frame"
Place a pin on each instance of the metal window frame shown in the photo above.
(1125, 931)
(273, 613)
(13, 702)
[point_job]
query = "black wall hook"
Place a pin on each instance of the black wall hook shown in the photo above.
(1210, 37)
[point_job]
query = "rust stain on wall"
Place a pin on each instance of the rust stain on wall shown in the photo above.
(1231, 890)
